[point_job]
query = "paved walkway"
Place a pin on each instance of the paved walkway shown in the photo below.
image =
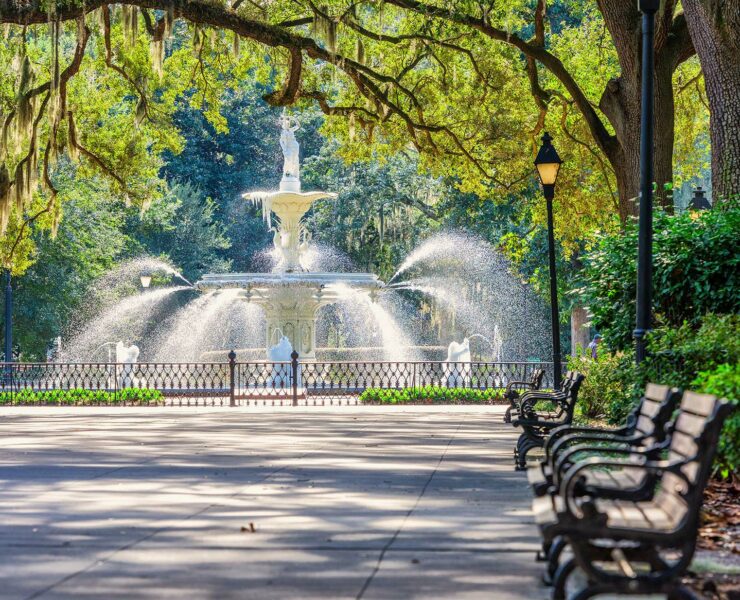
(347, 502)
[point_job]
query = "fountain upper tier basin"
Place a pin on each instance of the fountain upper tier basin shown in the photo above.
(289, 206)
(330, 286)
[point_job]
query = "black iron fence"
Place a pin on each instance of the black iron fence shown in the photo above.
(235, 383)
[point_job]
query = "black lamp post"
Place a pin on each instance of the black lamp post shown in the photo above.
(548, 164)
(8, 317)
(645, 233)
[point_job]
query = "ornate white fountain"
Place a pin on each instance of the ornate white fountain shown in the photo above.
(290, 295)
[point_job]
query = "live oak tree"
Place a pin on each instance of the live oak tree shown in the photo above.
(715, 30)
(470, 86)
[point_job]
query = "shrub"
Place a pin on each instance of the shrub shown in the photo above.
(696, 270)
(609, 390)
(78, 396)
(724, 381)
(431, 395)
(703, 360)
(677, 355)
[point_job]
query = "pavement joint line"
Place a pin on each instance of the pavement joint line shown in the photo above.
(390, 542)
(132, 543)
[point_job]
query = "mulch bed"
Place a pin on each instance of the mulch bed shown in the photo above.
(720, 529)
(719, 535)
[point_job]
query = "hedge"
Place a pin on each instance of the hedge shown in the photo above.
(432, 395)
(77, 396)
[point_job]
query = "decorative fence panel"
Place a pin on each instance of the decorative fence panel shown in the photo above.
(256, 383)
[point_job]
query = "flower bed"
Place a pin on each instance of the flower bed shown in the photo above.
(79, 396)
(432, 395)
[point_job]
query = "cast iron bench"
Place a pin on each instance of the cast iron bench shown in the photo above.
(643, 431)
(637, 546)
(536, 424)
(514, 389)
(643, 434)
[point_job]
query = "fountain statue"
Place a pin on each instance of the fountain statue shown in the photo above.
(288, 203)
(281, 373)
(457, 365)
(290, 295)
(127, 354)
(126, 358)
(291, 180)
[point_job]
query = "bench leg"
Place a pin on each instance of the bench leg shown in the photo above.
(527, 444)
(520, 452)
(561, 578)
(541, 555)
(553, 559)
(507, 415)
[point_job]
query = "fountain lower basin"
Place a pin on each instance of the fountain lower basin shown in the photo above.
(291, 300)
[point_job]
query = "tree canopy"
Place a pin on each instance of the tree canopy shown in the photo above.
(467, 86)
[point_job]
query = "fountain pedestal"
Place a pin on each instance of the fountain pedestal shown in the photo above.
(290, 237)
(291, 300)
(292, 313)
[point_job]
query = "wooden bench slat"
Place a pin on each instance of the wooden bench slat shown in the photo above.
(689, 424)
(615, 479)
(625, 514)
(645, 425)
(683, 444)
(698, 404)
(657, 392)
(650, 408)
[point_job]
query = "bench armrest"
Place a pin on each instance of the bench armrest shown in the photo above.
(574, 430)
(538, 393)
(523, 384)
(575, 473)
(567, 457)
(527, 402)
(565, 443)
(552, 423)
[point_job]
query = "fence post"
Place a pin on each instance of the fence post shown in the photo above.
(115, 380)
(294, 372)
(232, 378)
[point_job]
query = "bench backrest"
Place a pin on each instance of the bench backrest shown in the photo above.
(537, 376)
(694, 437)
(568, 395)
(653, 412)
(568, 380)
(564, 399)
(574, 385)
(561, 397)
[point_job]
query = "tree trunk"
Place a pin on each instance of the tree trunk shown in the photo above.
(579, 331)
(665, 133)
(621, 100)
(715, 31)
(621, 103)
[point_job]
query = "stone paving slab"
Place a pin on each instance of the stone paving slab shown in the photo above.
(346, 502)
